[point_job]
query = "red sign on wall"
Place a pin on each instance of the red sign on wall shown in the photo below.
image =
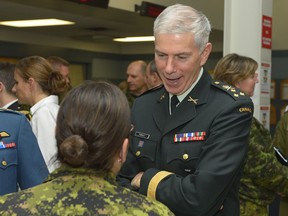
(266, 32)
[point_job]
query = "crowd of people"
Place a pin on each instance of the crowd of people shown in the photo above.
(171, 139)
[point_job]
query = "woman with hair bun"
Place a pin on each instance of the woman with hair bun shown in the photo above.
(93, 126)
(36, 84)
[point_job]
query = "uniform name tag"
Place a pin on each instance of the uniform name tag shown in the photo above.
(142, 135)
(193, 136)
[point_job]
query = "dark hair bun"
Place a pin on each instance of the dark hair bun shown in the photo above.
(74, 150)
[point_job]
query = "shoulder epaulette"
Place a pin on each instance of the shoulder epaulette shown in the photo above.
(26, 113)
(231, 90)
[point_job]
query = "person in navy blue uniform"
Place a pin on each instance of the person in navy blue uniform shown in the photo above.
(191, 159)
(21, 162)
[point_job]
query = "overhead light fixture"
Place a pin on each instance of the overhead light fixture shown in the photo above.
(36, 23)
(135, 39)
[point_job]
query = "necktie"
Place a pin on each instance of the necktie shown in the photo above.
(174, 103)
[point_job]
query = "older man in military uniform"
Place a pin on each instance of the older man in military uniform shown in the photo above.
(22, 164)
(190, 137)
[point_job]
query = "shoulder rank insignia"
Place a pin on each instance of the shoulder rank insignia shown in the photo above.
(26, 113)
(235, 92)
(4, 134)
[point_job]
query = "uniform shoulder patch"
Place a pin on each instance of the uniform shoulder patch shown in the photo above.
(231, 90)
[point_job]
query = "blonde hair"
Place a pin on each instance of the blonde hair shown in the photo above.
(233, 68)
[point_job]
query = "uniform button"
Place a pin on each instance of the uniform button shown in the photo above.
(4, 163)
(185, 156)
(138, 153)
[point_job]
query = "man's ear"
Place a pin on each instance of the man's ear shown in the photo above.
(124, 150)
(205, 53)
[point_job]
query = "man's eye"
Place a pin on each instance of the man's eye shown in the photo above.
(182, 57)
(160, 55)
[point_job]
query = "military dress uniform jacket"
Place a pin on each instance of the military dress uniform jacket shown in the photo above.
(21, 162)
(193, 159)
(80, 191)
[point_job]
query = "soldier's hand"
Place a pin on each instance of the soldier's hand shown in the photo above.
(136, 180)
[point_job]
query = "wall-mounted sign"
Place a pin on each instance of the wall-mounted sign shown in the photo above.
(266, 32)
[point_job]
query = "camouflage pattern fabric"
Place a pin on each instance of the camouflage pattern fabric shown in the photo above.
(263, 175)
(281, 134)
(130, 98)
(79, 191)
(252, 209)
(281, 142)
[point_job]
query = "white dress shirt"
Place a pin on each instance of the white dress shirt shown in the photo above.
(43, 122)
(182, 96)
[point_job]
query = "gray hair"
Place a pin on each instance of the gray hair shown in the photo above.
(179, 19)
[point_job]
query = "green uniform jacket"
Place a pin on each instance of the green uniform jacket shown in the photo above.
(263, 175)
(281, 141)
(79, 191)
(281, 135)
(193, 159)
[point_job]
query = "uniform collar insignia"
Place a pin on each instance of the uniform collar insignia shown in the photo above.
(190, 99)
(162, 96)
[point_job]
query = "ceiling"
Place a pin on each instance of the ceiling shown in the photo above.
(95, 27)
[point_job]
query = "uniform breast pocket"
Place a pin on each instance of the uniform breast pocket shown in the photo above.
(145, 151)
(182, 157)
(8, 159)
(8, 170)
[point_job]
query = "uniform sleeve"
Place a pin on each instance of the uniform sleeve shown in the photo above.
(219, 167)
(262, 165)
(32, 169)
(281, 135)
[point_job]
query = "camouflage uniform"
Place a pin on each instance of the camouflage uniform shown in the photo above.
(79, 191)
(281, 141)
(263, 175)
(130, 98)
